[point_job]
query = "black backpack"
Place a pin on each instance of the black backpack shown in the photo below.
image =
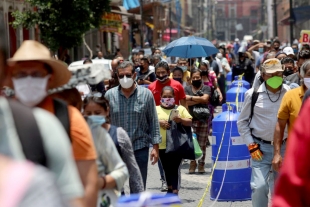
(32, 143)
(253, 102)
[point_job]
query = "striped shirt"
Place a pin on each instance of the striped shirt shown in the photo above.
(264, 115)
(136, 115)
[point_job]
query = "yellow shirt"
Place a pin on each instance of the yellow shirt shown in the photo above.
(163, 114)
(186, 75)
(290, 105)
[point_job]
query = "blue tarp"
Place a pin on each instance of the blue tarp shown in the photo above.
(129, 4)
(301, 14)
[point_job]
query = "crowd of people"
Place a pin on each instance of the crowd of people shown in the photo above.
(86, 145)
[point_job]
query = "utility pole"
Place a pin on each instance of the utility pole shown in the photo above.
(291, 22)
(141, 23)
(275, 18)
(262, 21)
(170, 21)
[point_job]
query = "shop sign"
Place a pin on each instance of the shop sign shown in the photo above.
(112, 23)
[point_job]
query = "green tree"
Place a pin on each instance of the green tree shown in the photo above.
(62, 23)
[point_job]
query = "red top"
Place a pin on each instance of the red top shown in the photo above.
(156, 88)
(293, 185)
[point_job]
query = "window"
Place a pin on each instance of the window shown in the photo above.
(232, 13)
(254, 12)
(219, 12)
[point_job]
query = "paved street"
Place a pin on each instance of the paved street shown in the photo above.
(193, 186)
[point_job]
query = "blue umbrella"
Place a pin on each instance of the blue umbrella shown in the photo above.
(190, 47)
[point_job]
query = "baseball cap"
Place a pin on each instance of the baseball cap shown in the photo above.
(272, 65)
(236, 40)
(288, 51)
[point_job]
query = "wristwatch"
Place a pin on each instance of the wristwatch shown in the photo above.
(191, 98)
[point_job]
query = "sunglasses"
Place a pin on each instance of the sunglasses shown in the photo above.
(122, 76)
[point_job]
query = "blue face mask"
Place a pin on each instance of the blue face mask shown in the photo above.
(184, 68)
(295, 50)
(261, 50)
(96, 120)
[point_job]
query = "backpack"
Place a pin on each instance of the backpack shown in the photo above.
(253, 102)
(113, 134)
(62, 113)
(32, 143)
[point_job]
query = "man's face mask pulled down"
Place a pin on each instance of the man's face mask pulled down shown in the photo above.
(31, 90)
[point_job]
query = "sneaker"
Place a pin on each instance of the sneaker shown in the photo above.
(163, 186)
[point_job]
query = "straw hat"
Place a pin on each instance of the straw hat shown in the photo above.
(32, 50)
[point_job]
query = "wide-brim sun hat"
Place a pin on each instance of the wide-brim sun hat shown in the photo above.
(31, 50)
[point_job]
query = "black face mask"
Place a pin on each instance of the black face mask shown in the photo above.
(288, 72)
(162, 78)
(204, 73)
(197, 83)
(276, 48)
(178, 79)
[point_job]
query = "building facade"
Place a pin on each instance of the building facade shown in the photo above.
(235, 19)
(301, 18)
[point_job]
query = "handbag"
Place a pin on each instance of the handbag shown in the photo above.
(215, 98)
(179, 140)
(201, 112)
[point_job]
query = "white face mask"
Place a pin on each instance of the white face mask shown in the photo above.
(126, 82)
(184, 68)
(30, 91)
(307, 82)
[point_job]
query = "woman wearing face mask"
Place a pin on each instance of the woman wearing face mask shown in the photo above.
(171, 162)
(97, 109)
(198, 94)
(112, 170)
(209, 77)
(177, 74)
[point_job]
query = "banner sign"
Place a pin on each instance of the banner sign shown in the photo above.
(305, 37)
(112, 23)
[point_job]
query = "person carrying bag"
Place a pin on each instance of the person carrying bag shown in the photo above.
(175, 122)
(197, 99)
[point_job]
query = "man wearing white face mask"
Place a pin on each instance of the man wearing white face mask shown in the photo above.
(33, 73)
(288, 112)
(132, 107)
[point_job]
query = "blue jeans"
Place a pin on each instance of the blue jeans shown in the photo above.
(142, 158)
(261, 178)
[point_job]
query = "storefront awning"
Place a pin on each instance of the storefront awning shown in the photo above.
(135, 16)
(285, 20)
(301, 14)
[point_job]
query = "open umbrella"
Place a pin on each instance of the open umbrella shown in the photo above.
(190, 47)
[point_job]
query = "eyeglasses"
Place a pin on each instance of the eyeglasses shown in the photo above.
(122, 76)
(37, 74)
(279, 73)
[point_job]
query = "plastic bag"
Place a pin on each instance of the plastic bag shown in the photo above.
(198, 151)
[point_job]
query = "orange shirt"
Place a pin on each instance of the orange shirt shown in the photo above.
(82, 143)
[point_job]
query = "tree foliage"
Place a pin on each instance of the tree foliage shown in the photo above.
(62, 23)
